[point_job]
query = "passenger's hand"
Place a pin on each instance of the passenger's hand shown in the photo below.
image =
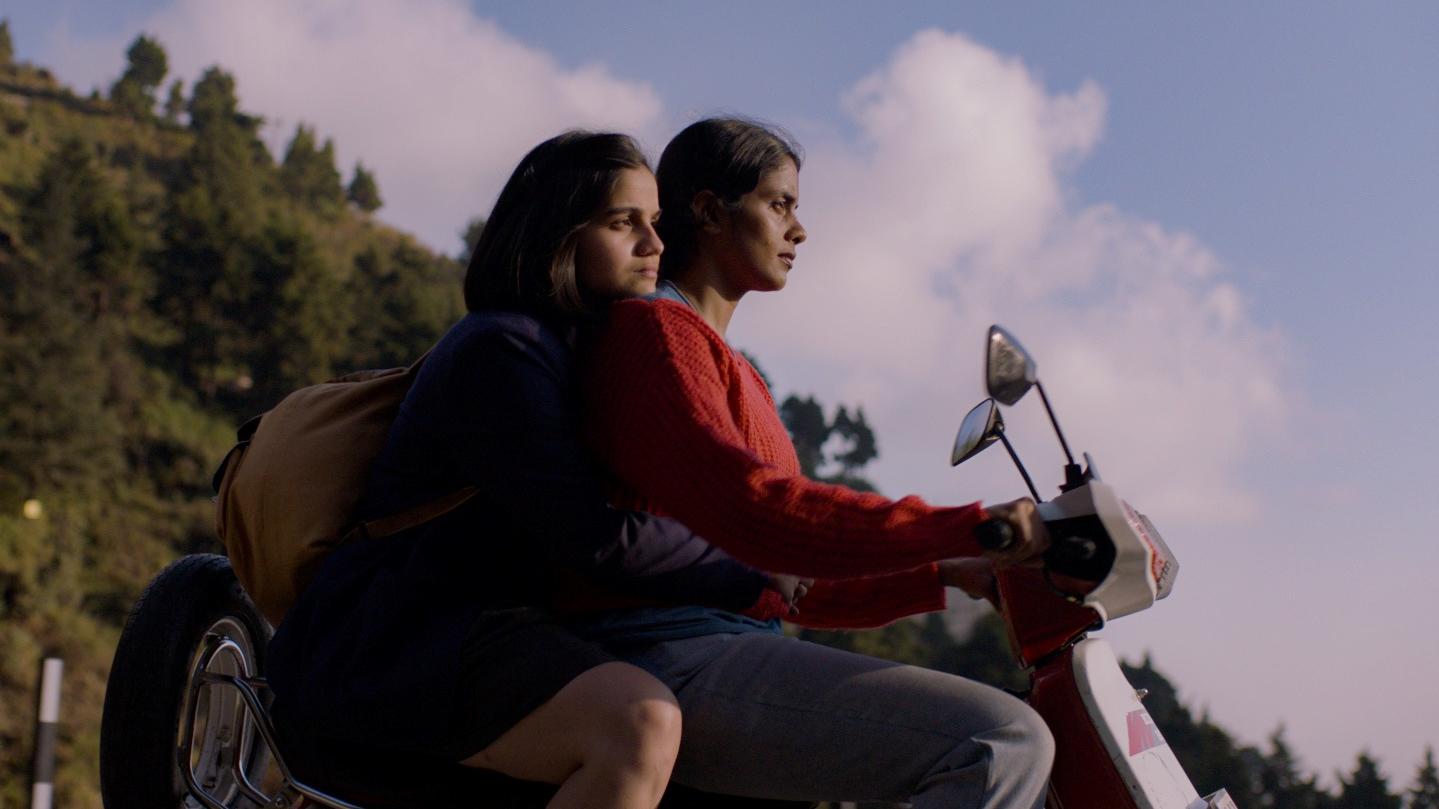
(974, 575)
(790, 588)
(1031, 538)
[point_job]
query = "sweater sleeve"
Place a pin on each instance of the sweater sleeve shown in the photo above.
(870, 601)
(660, 417)
(517, 439)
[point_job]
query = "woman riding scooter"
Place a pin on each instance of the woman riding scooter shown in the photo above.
(435, 642)
(689, 430)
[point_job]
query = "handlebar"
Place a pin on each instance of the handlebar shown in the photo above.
(1065, 551)
(994, 534)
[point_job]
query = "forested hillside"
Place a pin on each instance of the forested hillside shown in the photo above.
(164, 276)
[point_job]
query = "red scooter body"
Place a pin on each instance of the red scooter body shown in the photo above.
(1106, 560)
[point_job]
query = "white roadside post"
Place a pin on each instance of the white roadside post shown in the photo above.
(42, 793)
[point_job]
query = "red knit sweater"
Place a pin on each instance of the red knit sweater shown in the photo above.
(689, 430)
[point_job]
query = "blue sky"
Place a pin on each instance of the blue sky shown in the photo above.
(1215, 224)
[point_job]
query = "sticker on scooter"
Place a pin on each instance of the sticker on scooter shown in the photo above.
(1143, 734)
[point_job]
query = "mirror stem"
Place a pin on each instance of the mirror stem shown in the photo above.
(1052, 420)
(1022, 471)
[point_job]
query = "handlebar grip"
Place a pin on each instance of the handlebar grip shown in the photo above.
(994, 534)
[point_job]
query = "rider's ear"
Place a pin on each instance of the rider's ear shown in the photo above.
(707, 210)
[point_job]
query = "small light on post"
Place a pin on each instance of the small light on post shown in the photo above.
(32, 509)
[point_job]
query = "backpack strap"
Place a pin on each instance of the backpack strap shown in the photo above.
(411, 517)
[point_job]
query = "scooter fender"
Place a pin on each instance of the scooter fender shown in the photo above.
(1134, 744)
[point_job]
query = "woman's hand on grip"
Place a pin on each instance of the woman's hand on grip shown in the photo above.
(1031, 538)
(972, 574)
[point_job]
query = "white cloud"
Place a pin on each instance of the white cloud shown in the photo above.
(949, 213)
(438, 102)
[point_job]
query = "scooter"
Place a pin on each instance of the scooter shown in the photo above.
(1105, 561)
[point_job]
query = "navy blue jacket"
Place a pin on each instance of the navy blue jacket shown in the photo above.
(372, 648)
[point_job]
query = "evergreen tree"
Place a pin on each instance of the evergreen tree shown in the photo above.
(7, 46)
(1366, 787)
(308, 173)
(984, 656)
(215, 212)
(808, 429)
(135, 90)
(469, 237)
(862, 448)
(363, 191)
(175, 102)
(296, 313)
(1425, 792)
(213, 104)
(58, 429)
(212, 101)
(1280, 782)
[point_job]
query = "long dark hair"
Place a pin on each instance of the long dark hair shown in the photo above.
(525, 257)
(726, 156)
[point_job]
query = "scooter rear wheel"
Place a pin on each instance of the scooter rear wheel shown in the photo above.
(191, 606)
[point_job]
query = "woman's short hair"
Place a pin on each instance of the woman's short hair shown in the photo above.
(726, 156)
(525, 256)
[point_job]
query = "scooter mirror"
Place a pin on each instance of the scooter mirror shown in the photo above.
(980, 428)
(1009, 371)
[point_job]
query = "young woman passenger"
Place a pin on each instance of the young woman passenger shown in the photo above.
(767, 715)
(436, 641)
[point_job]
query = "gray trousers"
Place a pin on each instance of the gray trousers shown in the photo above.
(770, 716)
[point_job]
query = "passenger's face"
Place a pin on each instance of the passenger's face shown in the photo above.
(763, 232)
(618, 253)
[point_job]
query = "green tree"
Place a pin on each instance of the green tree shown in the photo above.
(860, 449)
(1279, 781)
(308, 173)
(363, 191)
(214, 214)
(213, 102)
(403, 299)
(134, 92)
(58, 430)
(175, 102)
(1425, 792)
(469, 237)
(808, 429)
(1366, 787)
(7, 45)
(984, 656)
(296, 313)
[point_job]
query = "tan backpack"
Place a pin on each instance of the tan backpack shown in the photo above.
(287, 492)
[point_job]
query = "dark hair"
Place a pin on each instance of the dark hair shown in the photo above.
(525, 257)
(726, 156)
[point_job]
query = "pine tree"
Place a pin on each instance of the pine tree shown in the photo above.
(469, 237)
(1280, 782)
(175, 102)
(363, 191)
(308, 173)
(1425, 792)
(7, 45)
(215, 212)
(1366, 787)
(862, 449)
(58, 429)
(134, 92)
(808, 429)
(213, 103)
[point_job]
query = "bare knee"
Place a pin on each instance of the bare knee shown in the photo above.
(640, 723)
